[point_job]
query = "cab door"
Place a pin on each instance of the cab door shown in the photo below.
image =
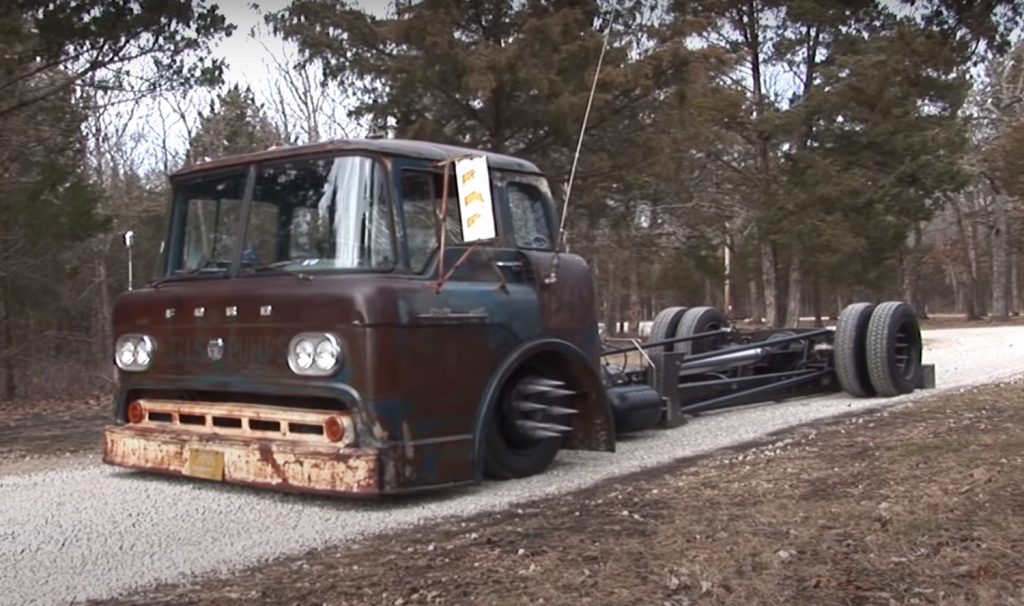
(565, 295)
(458, 320)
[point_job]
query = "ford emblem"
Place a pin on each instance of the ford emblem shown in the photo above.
(215, 349)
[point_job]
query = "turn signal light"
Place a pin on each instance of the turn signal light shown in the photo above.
(135, 412)
(334, 429)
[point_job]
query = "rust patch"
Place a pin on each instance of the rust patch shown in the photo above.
(267, 463)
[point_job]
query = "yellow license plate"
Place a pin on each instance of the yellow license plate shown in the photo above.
(206, 464)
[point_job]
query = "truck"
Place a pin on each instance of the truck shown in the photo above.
(381, 316)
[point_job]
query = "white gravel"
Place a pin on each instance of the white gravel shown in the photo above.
(95, 532)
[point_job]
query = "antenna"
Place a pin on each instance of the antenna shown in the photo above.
(553, 276)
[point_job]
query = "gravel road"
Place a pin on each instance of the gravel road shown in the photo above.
(93, 532)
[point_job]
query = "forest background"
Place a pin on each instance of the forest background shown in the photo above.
(777, 159)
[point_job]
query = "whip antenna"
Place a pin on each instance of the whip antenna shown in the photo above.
(553, 276)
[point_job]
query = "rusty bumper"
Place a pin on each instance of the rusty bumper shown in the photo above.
(265, 463)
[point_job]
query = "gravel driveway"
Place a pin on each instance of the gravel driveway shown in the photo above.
(92, 531)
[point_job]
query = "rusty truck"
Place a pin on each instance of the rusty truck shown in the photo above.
(379, 316)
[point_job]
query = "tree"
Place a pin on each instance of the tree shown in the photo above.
(58, 58)
(850, 134)
(234, 124)
(1000, 130)
(46, 205)
(141, 46)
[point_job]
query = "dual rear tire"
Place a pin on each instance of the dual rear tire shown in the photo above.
(877, 349)
(677, 322)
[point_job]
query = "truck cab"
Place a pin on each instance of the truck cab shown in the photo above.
(359, 317)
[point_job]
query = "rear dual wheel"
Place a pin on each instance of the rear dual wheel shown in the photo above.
(698, 320)
(664, 327)
(877, 349)
(676, 322)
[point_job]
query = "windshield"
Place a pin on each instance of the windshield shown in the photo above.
(205, 218)
(306, 215)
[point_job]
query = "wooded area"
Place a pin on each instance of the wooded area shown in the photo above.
(777, 159)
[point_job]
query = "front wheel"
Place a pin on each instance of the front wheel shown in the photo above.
(526, 427)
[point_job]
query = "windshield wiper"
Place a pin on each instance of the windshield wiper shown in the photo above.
(209, 265)
(279, 268)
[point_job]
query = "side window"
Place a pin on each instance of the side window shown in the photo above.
(529, 217)
(421, 200)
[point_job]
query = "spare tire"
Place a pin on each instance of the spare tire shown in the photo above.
(664, 327)
(894, 349)
(849, 350)
(695, 321)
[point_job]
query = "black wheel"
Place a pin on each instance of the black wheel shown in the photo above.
(664, 327)
(849, 350)
(695, 321)
(524, 435)
(894, 349)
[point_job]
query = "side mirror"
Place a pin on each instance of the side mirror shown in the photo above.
(129, 241)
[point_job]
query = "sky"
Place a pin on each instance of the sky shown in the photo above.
(247, 53)
(249, 49)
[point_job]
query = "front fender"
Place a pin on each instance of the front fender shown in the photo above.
(593, 427)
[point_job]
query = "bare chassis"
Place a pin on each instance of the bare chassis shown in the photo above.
(747, 367)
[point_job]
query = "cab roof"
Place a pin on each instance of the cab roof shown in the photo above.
(402, 148)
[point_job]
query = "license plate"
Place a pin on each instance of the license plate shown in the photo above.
(206, 464)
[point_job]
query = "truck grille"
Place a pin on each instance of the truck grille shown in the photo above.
(244, 420)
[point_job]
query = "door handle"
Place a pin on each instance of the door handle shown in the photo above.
(513, 265)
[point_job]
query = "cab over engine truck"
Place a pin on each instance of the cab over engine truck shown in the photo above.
(377, 316)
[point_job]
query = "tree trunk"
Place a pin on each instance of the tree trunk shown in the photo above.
(970, 297)
(954, 281)
(634, 293)
(727, 277)
(816, 301)
(8, 345)
(795, 291)
(103, 333)
(755, 309)
(911, 270)
(610, 294)
(771, 313)
(1000, 260)
(1014, 284)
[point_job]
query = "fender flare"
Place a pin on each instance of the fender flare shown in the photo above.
(598, 423)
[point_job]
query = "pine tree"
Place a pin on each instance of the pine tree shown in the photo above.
(234, 124)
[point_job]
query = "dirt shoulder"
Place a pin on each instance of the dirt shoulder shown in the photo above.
(37, 435)
(916, 506)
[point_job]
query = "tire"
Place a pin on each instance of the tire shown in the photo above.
(695, 321)
(664, 327)
(508, 455)
(849, 350)
(894, 349)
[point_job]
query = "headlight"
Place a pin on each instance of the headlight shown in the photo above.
(134, 353)
(314, 354)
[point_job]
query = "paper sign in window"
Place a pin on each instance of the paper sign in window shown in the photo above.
(474, 185)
